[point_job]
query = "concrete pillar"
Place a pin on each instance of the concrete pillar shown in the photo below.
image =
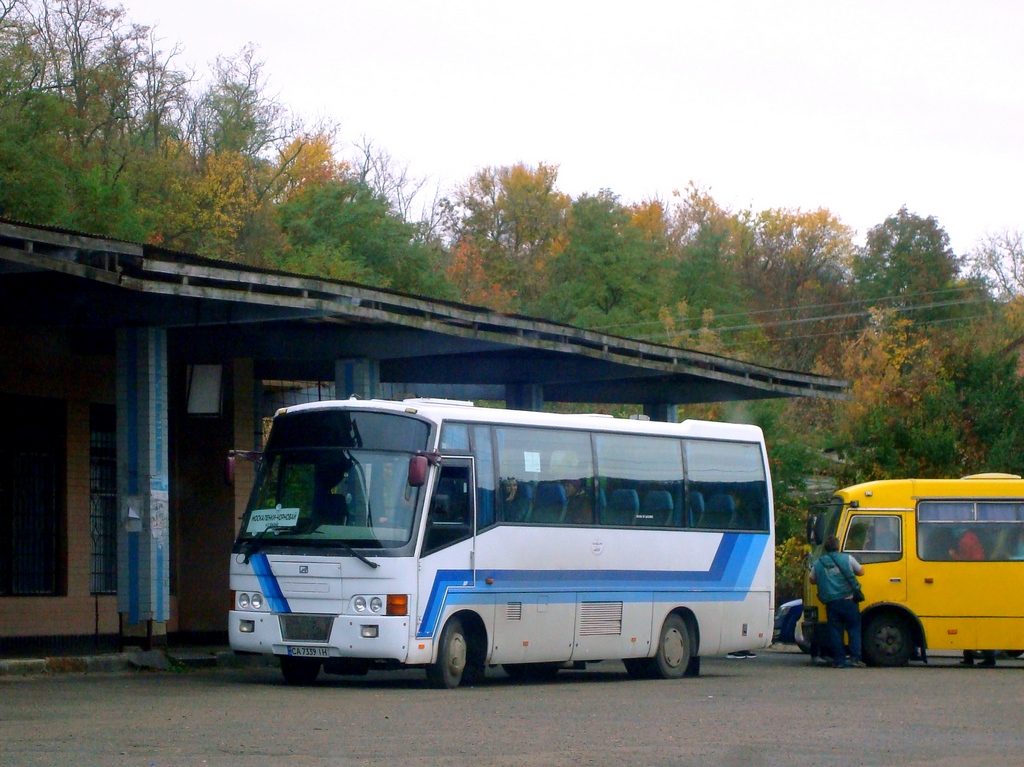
(524, 396)
(660, 411)
(143, 541)
(360, 377)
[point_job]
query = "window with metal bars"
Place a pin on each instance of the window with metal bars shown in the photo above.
(103, 499)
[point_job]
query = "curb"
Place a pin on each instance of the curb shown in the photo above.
(149, 660)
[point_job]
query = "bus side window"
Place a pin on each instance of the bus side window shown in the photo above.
(872, 538)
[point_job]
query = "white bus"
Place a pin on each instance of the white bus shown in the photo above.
(437, 534)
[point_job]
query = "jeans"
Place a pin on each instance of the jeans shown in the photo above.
(843, 614)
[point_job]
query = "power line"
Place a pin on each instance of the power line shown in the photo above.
(847, 332)
(828, 318)
(851, 302)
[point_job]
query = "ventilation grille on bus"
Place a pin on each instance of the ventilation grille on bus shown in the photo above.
(306, 628)
(600, 618)
(514, 611)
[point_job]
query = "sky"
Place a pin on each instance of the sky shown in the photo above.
(858, 107)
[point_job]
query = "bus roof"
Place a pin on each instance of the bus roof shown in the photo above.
(438, 410)
(972, 486)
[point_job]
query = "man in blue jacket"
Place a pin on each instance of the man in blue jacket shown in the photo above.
(835, 576)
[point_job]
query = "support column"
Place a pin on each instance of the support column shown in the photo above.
(524, 396)
(143, 541)
(659, 411)
(360, 377)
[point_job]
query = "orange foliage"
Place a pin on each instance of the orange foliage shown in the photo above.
(466, 271)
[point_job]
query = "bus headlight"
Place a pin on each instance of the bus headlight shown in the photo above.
(376, 604)
(246, 601)
(359, 604)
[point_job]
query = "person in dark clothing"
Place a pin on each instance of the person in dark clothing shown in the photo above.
(835, 576)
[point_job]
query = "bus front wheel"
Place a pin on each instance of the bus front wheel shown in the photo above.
(674, 649)
(887, 640)
(446, 671)
(299, 671)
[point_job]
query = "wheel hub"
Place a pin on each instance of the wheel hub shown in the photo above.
(673, 649)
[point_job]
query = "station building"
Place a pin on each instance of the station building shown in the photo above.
(128, 372)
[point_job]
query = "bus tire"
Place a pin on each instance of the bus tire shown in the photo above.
(446, 672)
(674, 649)
(887, 640)
(300, 672)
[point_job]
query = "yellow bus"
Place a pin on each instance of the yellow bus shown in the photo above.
(943, 565)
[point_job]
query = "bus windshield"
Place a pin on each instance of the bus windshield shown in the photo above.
(345, 485)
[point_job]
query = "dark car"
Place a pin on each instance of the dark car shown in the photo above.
(787, 630)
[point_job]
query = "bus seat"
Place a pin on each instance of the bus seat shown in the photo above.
(622, 507)
(440, 507)
(695, 500)
(549, 502)
(657, 508)
(720, 513)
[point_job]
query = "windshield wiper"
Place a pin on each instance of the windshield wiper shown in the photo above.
(257, 540)
(356, 554)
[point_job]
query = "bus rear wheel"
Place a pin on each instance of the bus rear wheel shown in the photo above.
(299, 671)
(888, 640)
(446, 671)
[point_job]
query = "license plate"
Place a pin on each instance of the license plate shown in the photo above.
(308, 652)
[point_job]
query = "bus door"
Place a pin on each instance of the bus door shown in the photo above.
(878, 541)
(447, 559)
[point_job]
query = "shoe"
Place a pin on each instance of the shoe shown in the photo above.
(858, 664)
(741, 654)
(841, 665)
(966, 662)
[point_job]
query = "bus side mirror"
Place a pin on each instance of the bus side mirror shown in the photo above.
(816, 529)
(812, 529)
(418, 466)
(231, 460)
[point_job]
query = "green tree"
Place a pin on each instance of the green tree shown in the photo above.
(609, 275)
(907, 263)
(704, 288)
(343, 230)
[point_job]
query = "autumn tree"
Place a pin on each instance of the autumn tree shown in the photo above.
(793, 268)
(938, 404)
(511, 219)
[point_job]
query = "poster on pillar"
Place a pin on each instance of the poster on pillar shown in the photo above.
(158, 516)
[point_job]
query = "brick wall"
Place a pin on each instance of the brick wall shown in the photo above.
(44, 363)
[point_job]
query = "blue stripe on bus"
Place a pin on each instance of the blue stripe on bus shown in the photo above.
(728, 579)
(268, 584)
